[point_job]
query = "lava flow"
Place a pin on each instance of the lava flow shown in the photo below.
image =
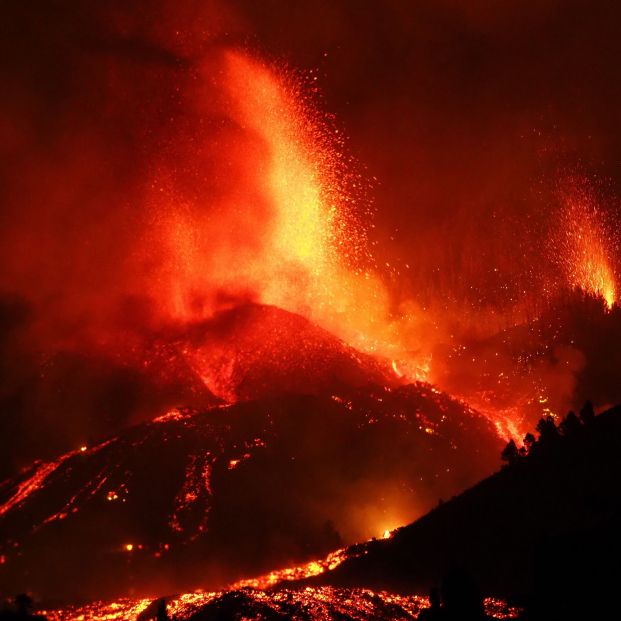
(197, 497)
(271, 595)
(315, 604)
(239, 332)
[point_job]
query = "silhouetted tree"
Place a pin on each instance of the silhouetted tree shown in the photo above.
(587, 413)
(162, 613)
(434, 612)
(529, 441)
(23, 605)
(22, 610)
(461, 598)
(510, 453)
(570, 424)
(548, 432)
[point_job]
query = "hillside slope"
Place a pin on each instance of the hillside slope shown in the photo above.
(203, 498)
(545, 529)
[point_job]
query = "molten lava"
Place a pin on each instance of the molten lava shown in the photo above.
(312, 603)
(187, 270)
(585, 244)
(292, 234)
(212, 497)
(271, 592)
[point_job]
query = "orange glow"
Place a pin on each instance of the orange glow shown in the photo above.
(292, 238)
(307, 570)
(586, 246)
(313, 600)
(287, 232)
(319, 265)
(173, 414)
(240, 193)
(33, 483)
(395, 368)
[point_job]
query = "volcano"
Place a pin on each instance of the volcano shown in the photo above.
(317, 454)
(280, 278)
(255, 351)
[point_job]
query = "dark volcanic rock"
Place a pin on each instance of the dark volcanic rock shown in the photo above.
(206, 497)
(255, 351)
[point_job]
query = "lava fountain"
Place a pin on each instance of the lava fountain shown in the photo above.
(294, 238)
(586, 245)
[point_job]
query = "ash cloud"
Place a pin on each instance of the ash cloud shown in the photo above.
(464, 115)
(95, 105)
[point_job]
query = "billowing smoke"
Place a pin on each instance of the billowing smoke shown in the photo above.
(159, 173)
(161, 165)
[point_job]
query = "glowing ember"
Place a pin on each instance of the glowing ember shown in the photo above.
(585, 245)
(395, 368)
(301, 249)
(34, 482)
(315, 603)
(308, 570)
(174, 414)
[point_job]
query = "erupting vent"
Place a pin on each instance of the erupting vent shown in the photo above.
(226, 346)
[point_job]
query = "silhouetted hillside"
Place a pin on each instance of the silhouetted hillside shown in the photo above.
(544, 531)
